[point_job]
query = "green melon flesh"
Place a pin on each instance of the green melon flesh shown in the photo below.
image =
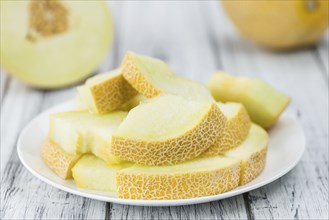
(50, 44)
(80, 132)
(263, 102)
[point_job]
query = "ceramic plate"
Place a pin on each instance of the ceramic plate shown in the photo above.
(286, 148)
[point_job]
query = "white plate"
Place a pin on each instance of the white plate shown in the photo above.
(286, 148)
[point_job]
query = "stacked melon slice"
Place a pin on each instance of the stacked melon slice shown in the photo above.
(145, 133)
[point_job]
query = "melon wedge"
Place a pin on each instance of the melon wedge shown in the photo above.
(105, 92)
(196, 178)
(263, 102)
(151, 77)
(93, 173)
(79, 132)
(51, 44)
(166, 130)
(236, 128)
(252, 154)
(58, 160)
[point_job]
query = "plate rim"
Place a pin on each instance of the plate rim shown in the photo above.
(156, 203)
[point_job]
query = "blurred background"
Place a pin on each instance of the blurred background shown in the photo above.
(283, 42)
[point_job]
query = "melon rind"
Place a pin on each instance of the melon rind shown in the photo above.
(105, 92)
(236, 128)
(181, 181)
(58, 160)
(251, 153)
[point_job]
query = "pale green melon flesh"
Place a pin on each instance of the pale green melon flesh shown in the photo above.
(59, 59)
(80, 132)
(263, 102)
(93, 173)
(151, 121)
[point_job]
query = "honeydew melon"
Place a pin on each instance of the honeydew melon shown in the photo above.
(151, 77)
(58, 160)
(166, 130)
(51, 44)
(79, 132)
(93, 173)
(263, 102)
(252, 154)
(195, 178)
(236, 128)
(105, 92)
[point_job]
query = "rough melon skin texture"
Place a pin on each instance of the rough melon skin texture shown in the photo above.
(51, 44)
(236, 128)
(58, 160)
(93, 173)
(151, 77)
(196, 178)
(252, 154)
(263, 102)
(79, 132)
(167, 130)
(105, 92)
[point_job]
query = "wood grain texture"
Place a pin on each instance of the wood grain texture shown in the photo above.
(195, 38)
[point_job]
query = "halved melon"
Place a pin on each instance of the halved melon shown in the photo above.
(263, 102)
(236, 128)
(252, 154)
(50, 44)
(166, 130)
(105, 92)
(151, 77)
(196, 178)
(58, 160)
(79, 132)
(93, 173)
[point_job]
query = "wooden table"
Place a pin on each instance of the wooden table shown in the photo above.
(196, 39)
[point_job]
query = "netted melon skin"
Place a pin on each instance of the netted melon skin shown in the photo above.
(58, 160)
(253, 167)
(136, 78)
(111, 94)
(235, 132)
(184, 147)
(177, 186)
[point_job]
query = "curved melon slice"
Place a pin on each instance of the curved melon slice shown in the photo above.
(236, 128)
(105, 92)
(50, 44)
(166, 130)
(58, 160)
(79, 132)
(93, 173)
(263, 102)
(252, 153)
(196, 178)
(151, 77)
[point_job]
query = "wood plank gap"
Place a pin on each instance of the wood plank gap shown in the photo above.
(250, 214)
(5, 89)
(108, 211)
(321, 65)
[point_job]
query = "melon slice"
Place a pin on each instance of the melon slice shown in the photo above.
(58, 160)
(93, 173)
(166, 130)
(151, 77)
(79, 132)
(236, 128)
(251, 153)
(105, 92)
(263, 102)
(196, 178)
(50, 44)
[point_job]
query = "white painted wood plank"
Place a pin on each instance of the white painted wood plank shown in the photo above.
(323, 50)
(303, 192)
